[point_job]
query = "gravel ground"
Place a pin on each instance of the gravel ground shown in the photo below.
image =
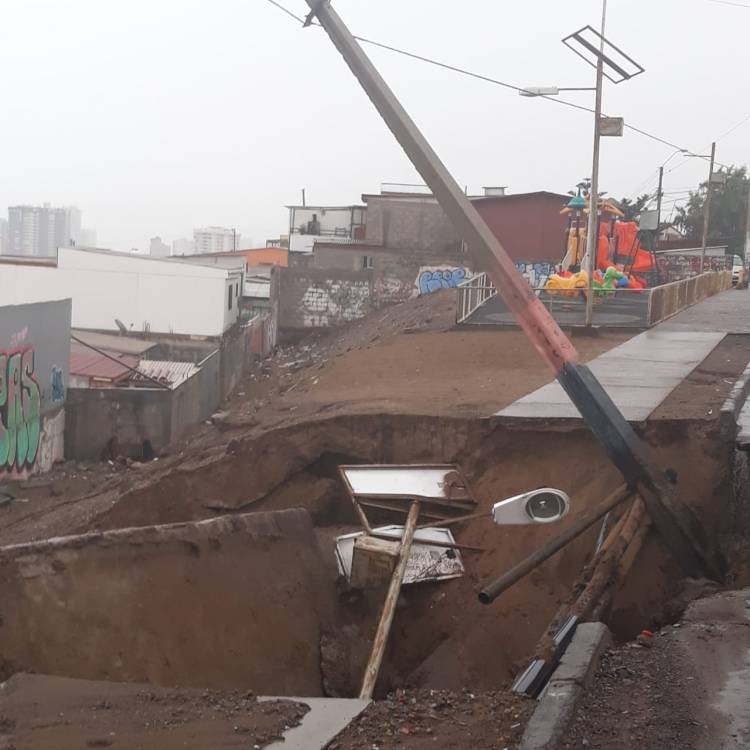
(421, 719)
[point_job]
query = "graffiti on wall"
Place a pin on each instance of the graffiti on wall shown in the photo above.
(677, 266)
(20, 411)
(432, 278)
(58, 386)
(330, 303)
(536, 273)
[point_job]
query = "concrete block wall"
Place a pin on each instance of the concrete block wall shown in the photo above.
(34, 368)
(317, 298)
(414, 223)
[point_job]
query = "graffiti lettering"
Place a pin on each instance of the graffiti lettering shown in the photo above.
(58, 386)
(536, 273)
(20, 403)
(431, 278)
(331, 303)
(18, 338)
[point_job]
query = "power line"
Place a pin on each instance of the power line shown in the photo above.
(729, 2)
(487, 79)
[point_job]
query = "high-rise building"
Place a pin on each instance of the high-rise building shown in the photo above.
(158, 248)
(3, 236)
(215, 240)
(183, 246)
(40, 230)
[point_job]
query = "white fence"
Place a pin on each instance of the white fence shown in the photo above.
(472, 294)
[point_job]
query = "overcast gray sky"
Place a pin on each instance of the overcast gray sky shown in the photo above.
(155, 116)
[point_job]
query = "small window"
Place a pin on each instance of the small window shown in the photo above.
(229, 305)
(367, 261)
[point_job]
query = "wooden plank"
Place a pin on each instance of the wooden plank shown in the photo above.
(389, 606)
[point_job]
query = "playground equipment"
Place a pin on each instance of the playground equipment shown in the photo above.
(621, 261)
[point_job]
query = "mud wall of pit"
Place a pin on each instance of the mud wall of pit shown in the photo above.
(442, 636)
(233, 602)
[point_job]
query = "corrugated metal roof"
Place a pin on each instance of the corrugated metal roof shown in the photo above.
(86, 362)
(168, 373)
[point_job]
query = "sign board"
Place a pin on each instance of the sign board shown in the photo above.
(648, 220)
(611, 126)
(443, 482)
(426, 562)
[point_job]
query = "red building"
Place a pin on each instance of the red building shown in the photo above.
(528, 225)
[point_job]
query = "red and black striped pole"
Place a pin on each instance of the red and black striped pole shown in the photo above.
(680, 532)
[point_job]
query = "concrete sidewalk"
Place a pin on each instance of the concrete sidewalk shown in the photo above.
(638, 375)
(727, 312)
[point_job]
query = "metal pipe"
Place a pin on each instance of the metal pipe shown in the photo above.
(492, 590)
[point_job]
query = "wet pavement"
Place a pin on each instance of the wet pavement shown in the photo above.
(638, 375)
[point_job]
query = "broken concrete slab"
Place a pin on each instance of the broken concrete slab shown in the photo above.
(638, 375)
(237, 601)
(327, 718)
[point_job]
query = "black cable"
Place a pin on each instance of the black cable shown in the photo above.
(497, 82)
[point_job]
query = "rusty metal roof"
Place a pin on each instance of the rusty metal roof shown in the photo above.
(86, 362)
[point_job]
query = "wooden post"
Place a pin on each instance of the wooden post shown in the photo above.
(389, 606)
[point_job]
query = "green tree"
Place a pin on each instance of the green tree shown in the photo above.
(728, 211)
(632, 208)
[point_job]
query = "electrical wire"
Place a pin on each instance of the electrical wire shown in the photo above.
(488, 79)
(729, 2)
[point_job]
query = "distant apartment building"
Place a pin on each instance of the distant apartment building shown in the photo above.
(215, 240)
(158, 248)
(311, 224)
(3, 236)
(40, 230)
(183, 246)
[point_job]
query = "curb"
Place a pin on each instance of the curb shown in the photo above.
(731, 408)
(552, 716)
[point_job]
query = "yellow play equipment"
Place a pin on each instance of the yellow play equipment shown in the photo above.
(567, 286)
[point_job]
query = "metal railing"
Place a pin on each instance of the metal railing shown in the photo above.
(472, 294)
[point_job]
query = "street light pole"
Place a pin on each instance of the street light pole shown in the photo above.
(707, 207)
(658, 206)
(593, 225)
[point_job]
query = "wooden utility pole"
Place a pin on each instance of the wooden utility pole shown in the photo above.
(707, 207)
(389, 606)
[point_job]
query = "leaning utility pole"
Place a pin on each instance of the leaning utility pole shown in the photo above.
(707, 207)
(592, 232)
(680, 531)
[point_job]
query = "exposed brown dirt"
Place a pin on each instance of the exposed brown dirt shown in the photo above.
(38, 712)
(427, 719)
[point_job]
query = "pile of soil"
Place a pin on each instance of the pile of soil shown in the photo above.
(422, 719)
(38, 712)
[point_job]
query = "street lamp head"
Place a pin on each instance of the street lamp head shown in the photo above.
(539, 91)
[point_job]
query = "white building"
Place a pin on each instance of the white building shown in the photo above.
(158, 248)
(143, 293)
(4, 237)
(308, 224)
(183, 246)
(215, 240)
(40, 230)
